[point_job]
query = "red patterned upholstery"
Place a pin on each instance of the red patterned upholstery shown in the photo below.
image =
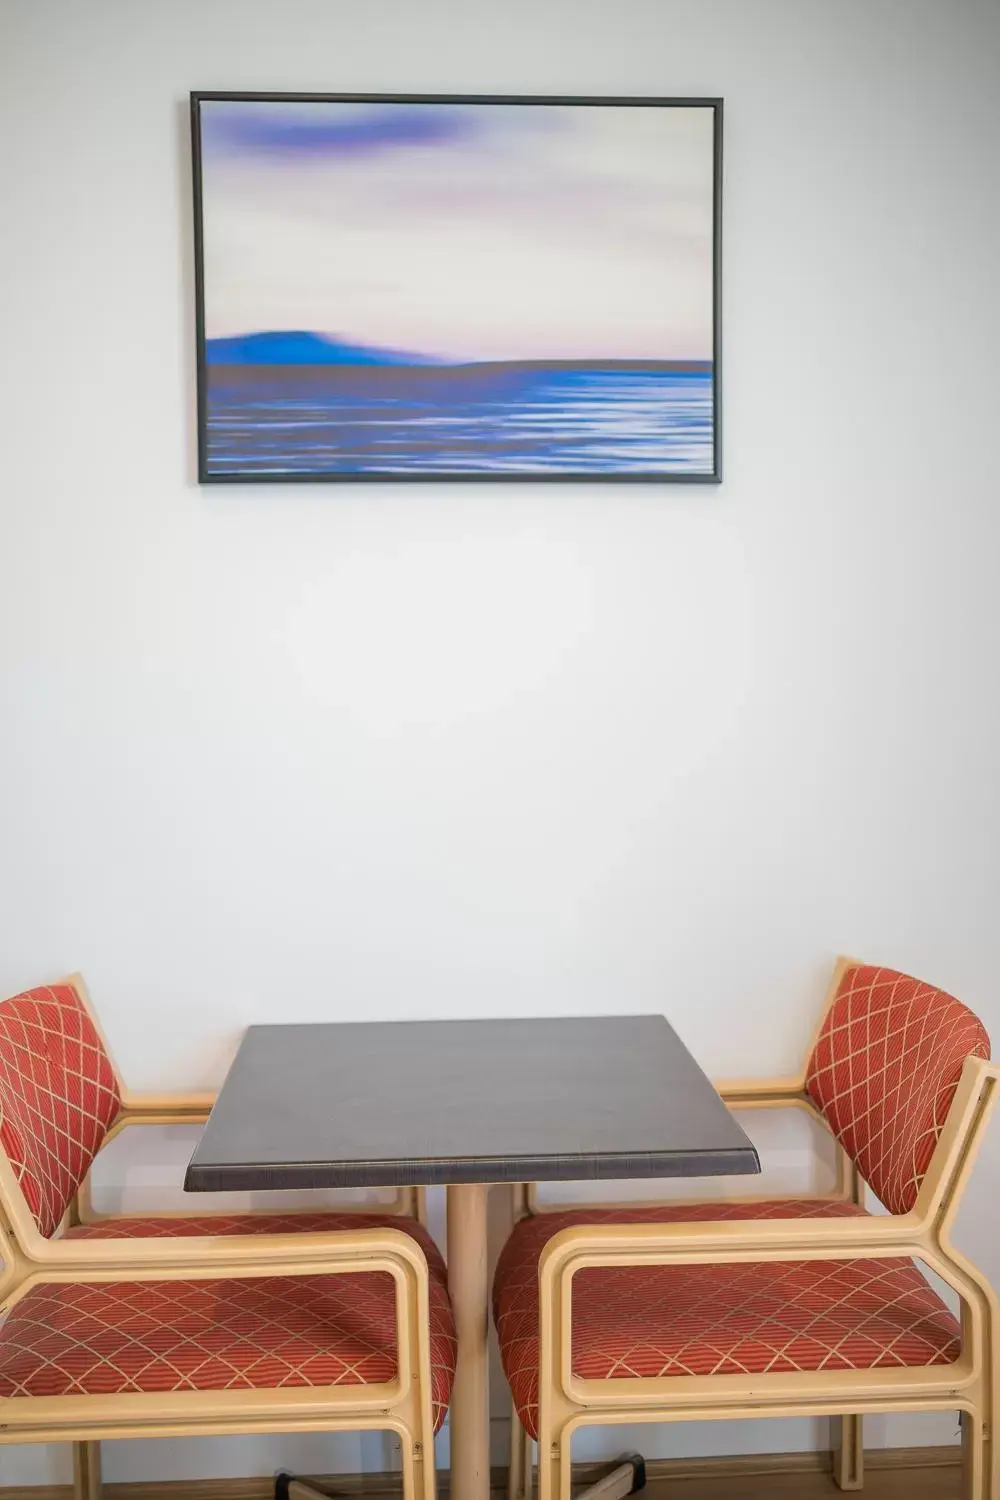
(58, 1097)
(290, 1223)
(718, 1319)
(267, 1333)
(884, 1072)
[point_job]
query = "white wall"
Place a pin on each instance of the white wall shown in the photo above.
(329, 753)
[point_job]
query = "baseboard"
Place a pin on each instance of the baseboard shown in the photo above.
(661, 1474)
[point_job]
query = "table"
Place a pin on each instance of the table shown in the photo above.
(465, 1104)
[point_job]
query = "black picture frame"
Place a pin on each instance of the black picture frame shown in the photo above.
(207, 476)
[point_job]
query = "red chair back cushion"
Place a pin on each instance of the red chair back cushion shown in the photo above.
(58, 1097)
(884, 1072)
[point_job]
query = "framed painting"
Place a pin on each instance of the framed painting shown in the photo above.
(457, 287)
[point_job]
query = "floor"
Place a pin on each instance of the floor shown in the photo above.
(938, 1483)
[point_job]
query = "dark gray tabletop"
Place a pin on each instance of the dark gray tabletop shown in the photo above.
(396, 1103)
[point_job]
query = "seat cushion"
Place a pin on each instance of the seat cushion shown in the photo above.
(718, 1319)
(266, 1333)
(263, 1223)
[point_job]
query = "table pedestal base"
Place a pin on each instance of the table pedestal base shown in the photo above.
(628, 1476)
(287, 1488)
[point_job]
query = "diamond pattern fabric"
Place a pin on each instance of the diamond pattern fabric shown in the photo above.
(265, 1333)
(290, 1223)
(58, 1097)
(739, 1319)
(884, 1072)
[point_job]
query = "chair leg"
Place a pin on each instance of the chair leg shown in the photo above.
(419, 1472)
(555, 1469)
(519, 1469)
(980, 1460)
(87, 1471)
(849, 1454)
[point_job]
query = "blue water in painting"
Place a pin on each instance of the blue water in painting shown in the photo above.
(498, 419)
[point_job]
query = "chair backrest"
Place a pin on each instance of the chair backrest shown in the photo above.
(58, 1096)
(884, 1072)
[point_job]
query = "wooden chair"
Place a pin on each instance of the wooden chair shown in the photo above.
(790, 1307)
(180, 1325)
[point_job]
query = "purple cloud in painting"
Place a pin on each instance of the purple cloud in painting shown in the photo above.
(299, 130)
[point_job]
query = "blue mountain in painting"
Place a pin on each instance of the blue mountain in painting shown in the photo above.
(297, 347)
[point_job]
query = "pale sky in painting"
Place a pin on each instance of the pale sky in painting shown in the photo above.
(463, 232)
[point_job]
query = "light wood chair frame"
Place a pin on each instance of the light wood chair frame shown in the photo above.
(402, 1406)
(971, 1385)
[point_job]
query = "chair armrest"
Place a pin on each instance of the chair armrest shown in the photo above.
(586, 1246)
(769, 1093)
(711, 1243)
(165, 1108)
(226, 1256)
(144, 1109)
(764, 1093)
(231, 1257)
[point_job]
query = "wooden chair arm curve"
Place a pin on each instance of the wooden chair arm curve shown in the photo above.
(699, 1242)
(162, 1108)
(754, 1093)
(223, 1256)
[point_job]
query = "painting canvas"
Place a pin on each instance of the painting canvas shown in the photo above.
(457, 288)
